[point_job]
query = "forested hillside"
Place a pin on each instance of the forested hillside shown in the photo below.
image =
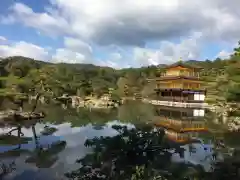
(21, 76)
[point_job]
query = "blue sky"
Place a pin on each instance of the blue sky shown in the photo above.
(130, 33)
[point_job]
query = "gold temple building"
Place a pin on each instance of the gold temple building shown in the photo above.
(180, 83)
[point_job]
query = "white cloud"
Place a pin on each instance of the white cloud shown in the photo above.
(77, 45)
(68, 56)
(133, 22)
(23, 48)
(44, 22)
(116, 60)
(169, 52)
(82, 53)
(226, 53)
(223, 54)
(110, 63)
(2, 39)
(74, 51)
(116, 56)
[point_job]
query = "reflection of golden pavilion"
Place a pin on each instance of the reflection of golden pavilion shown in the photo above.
(181, 137)
(181, 124)
(180, 83)
(180, 119)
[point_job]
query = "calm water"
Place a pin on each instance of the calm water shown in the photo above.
(66, 143)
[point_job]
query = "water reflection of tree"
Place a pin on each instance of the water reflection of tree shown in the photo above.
(129, 112)
(135, 112)
(95, 117)
(228, 169)
(9, 139)
(6, 169)
(45, 158)
(140, 153)
(143, 154)
(78, 117)
(42, 157)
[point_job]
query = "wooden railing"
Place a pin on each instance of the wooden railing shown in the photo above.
(178, 104)
(174, 98)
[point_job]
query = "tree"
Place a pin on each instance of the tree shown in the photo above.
(15, 89)
(43, 83)
(122, 83)
(233, 77)
(237, 51)
(148, 89)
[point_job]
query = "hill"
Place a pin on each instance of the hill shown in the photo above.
(222, 77)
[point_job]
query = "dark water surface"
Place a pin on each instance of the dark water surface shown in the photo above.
(49, 155)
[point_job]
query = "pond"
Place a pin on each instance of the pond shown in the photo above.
(51, 147)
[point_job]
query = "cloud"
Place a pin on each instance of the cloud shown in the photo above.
(23, 48)
(75, 51)
(133, 22)
(116, 60)
(226, 53)
(82, 53)
(110, 63)
(223, 54)
(181, 28)
(169, 52)
(68, 56)
(45, 22)
(2, 39)
(77, 45)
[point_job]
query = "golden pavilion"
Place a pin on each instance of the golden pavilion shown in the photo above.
(180, 82)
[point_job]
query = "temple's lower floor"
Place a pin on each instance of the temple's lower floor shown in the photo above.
(180, 95)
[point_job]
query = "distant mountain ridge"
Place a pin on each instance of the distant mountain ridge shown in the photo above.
(80, 66)
(82, 79)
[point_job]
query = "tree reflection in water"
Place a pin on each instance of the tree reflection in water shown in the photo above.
(41, 156)
(144, 154)
(45, 158)
(6, 169)
(139, 153)
(134, 154)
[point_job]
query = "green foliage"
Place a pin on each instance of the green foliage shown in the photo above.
(16, 89)
(236, 51)
(222, 78)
